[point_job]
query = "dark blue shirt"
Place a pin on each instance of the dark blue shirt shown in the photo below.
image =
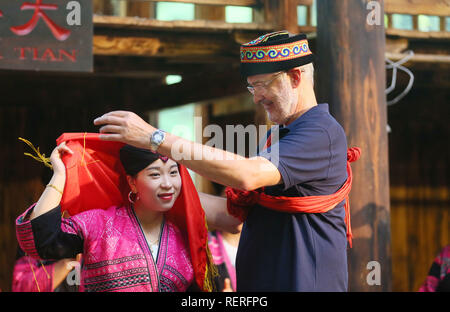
(299, 252)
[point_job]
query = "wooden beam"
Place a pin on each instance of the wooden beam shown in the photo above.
(194, 40)
(418, 34)
(196, 25)
(416, 7)
(310, 30)
(167, 46)
(304, 2)
(396, 45)
(352, 80)
(217, 2)
(420, 58)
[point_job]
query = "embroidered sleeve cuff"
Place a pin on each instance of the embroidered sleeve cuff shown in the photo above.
(44, 238)
(24, 233)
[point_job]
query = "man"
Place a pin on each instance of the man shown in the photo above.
(278, 250)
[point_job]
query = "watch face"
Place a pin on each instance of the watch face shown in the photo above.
(158, 137)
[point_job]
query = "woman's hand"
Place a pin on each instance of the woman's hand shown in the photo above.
(51, 197)
(63, 268)
(227, 286)
(55, 158)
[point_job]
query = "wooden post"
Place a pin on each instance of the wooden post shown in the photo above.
(415, 22)
(351, 78)
(102, 7)
(140, 9)
(442, 23)
(389, 15)
(209, 12)
(281, 14)
(288, 16)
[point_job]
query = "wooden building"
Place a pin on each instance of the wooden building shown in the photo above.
(134, 52)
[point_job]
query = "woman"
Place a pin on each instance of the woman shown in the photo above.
(128, 248)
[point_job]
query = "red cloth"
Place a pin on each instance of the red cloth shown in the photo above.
(188, 215)
(96, 179)
(239, 202)
(95, 176)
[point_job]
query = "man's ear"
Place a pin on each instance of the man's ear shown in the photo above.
(295, 75)
(132, 183)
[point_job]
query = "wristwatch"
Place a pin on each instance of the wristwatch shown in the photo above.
(156, 139)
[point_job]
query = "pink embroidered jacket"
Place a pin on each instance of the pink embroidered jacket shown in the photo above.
(116, 255)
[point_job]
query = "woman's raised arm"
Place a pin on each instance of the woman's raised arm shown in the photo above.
(51, 197)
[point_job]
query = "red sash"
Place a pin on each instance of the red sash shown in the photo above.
(239, 202)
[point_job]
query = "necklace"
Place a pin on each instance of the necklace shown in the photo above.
(147, 237)
(156, 241)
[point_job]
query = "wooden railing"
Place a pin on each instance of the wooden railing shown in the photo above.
(414, 8)
(217, 2)
(267, 15)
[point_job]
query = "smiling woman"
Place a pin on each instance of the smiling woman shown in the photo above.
(150, 243)
(155, 186)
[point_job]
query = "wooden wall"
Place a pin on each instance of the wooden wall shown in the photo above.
(419, 154)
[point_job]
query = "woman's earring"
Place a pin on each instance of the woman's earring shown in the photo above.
(131, 199)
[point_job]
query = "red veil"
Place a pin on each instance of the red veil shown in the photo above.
(96, 179)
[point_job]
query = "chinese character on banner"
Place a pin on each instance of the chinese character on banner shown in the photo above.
(58, 32)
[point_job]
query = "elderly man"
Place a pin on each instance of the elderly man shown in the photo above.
(287, 243)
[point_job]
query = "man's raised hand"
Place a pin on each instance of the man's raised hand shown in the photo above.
(126, 127)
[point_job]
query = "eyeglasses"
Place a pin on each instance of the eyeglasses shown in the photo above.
(263, 84)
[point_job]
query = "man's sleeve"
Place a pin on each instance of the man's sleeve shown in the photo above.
(301, 156)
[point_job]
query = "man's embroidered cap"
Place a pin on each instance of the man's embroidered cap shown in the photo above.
(274, 52)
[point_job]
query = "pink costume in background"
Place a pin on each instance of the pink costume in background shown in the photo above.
(221, 260)
(439, 271)
(30, 275)
(116, 256)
